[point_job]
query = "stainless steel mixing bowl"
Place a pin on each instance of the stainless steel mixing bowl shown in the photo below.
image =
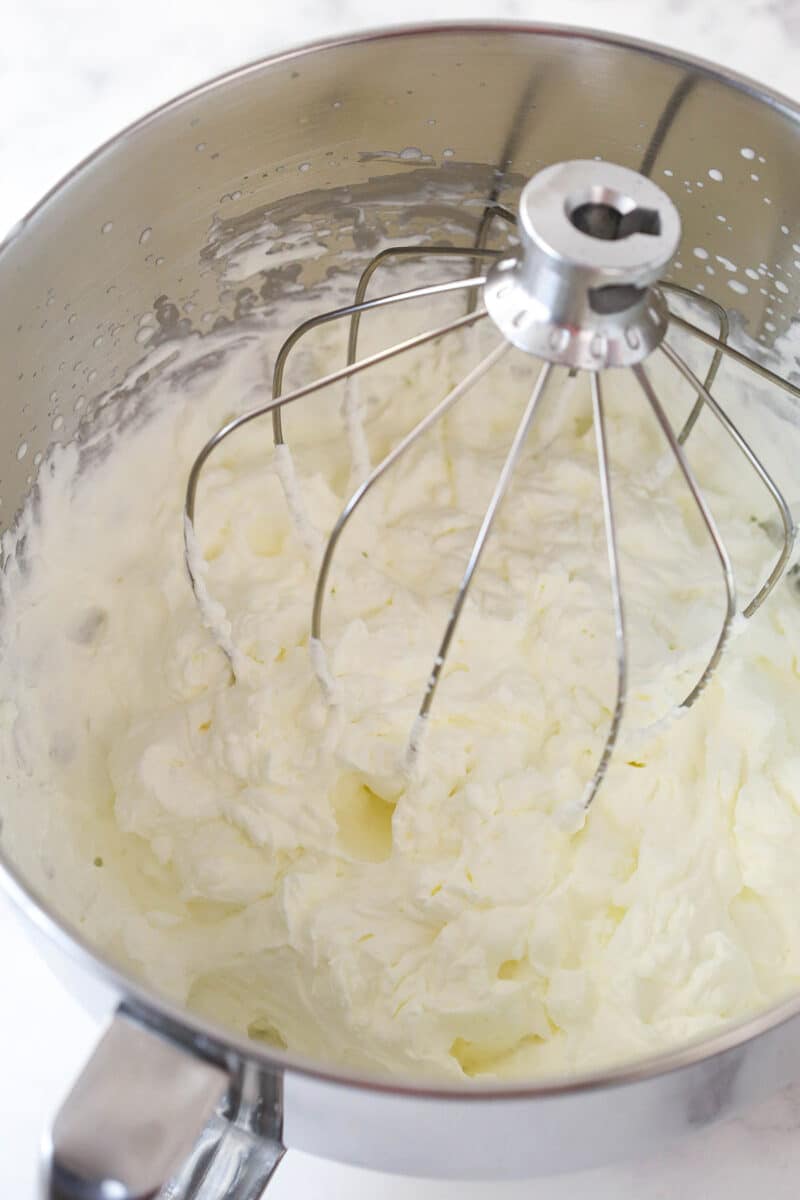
(408, 132)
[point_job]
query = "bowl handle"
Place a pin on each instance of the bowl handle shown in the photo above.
(150, 1120)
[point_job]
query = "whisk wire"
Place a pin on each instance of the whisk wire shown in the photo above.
(705, 398)
(731, 352)
(711, 526)
(716, 359)
(351, 409)
(391, 458)
(609, 523)
(500, 489)
(278, 402)
(492, 210)
(405, 252)
(349, 310)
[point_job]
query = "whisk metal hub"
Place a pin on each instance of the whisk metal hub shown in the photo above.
(594, 238)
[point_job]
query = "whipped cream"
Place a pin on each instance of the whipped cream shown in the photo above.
(263, 855)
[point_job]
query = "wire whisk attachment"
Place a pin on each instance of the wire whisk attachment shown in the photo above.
(584, 291)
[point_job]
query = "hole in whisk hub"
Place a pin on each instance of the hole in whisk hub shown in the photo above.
(611, 217)
(614, 298)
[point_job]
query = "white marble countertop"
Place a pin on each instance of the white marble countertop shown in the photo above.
(71, 74)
